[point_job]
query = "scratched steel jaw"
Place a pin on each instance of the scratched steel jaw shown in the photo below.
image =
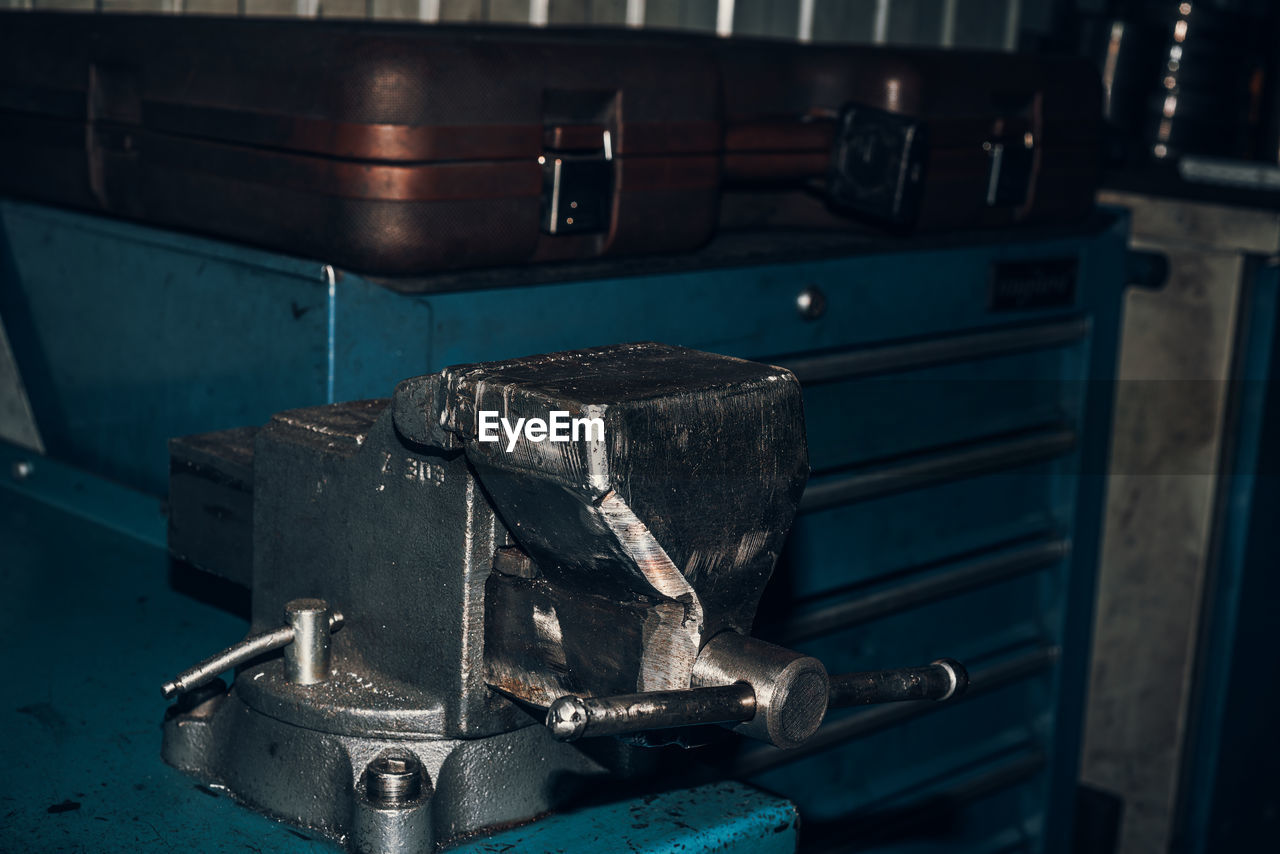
(642, 544)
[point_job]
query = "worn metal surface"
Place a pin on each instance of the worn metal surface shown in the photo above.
(964, 447)
(650, 538)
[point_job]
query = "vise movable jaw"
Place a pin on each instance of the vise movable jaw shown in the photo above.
(600, 564)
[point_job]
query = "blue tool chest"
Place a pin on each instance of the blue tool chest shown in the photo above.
(957, 397)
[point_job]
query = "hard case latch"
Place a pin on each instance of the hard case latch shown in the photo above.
(577, 184)
(877, 164)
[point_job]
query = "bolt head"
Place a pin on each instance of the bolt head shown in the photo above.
(811, 303)
(393, 777)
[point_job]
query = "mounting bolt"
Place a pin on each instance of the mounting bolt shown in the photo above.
(811, 303)
(393, 778)
(22, 470)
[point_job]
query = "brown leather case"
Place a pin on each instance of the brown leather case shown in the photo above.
(383, 148)
(395, 150)
(930, 139)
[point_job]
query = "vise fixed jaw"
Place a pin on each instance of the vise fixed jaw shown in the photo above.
(584, 534)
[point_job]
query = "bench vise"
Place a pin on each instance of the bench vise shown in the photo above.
(455, 589)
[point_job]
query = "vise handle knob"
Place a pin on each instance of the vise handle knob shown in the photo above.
(761, 690)
(304, 637)
(944, 679)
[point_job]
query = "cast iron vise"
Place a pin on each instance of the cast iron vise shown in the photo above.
(598, 564)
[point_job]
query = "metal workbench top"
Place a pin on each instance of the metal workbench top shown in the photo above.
(94, 621)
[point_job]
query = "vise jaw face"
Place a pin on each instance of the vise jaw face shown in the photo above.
(644, 538)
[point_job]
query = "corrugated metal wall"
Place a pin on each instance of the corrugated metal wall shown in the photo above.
(960, 23)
